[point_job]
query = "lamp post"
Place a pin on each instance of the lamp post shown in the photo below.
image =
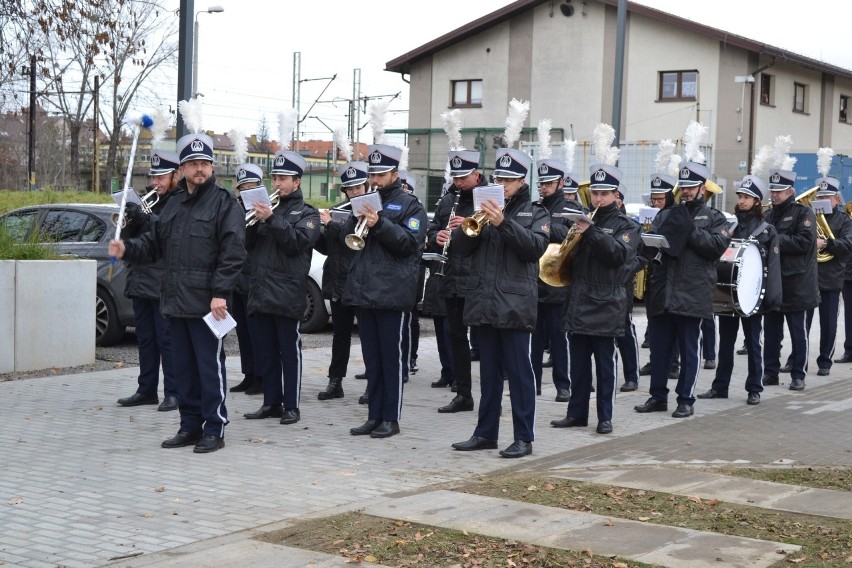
(210, 10)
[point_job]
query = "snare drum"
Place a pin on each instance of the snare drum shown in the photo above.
(740, 280)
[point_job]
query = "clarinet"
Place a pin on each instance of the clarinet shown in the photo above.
(443, 261)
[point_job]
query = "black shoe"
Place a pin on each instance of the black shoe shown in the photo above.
(753, 398)
(474, 355)
(441, 383)
(548, 364)
(181, 439)
(475, 443)
(712, 393)
(169, 403)
(682, 411)
(518, 449)
(786, 369)
(137, 399)
(333, 390)
(823, 372)
(454, 387)
(652, 405)
(209, 444)
(364, 399)
(248, 380)
(645, 370)
(290, 416)
(646, 345)
(797, 385)
(361, 376)
(412, 368)
(385, 430)
(405, 379)
(604, 427)
(538, 391)
(710, 364)
(742, 350)
(272, 411)
(847, 358)
(562, 395)
(674, 373)
(769, 380)
(460, 403)
(569, 422)
(365, 428)
(256, 387)
(629, 386)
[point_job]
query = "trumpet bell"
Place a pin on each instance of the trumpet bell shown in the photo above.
(355, 242)
(472, 226)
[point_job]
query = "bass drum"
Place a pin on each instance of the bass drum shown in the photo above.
(740, 280)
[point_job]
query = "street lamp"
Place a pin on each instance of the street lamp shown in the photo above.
(210, 10)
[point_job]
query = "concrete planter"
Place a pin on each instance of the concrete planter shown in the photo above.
(47, 308)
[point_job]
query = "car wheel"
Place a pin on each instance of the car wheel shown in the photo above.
(315, 318)
(109, 330)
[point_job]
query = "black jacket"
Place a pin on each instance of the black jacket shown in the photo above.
(338, 260)
(458, 266)
(502, 289)
(796, 226)
(557, 207)
(200, 237)
(281, 251)
(599, 301)
(143, 279)
(832, 273)
(384, 275)
(767, 240)
(684, 285)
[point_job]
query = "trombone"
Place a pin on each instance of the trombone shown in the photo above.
(251, 218)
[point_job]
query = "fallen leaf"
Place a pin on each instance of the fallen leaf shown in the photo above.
(159, 489)
(607, 522)
(713, 502)
(549, 487)
(371, 558)
(619, 565)
(399, 523)
(400, 542)
(797, 560)
(148, 515)
(418, 537)
(694, 499)
(644, 518)
(532, 488)
(15, 501)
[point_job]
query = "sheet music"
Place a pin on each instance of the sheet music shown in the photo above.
(255, 195)
(132, 197)
(647, 214)
(360, 203)
(577, 217)
(658, 241)
(821, 206)
(221, 327)
(483, 193)
(339, 216)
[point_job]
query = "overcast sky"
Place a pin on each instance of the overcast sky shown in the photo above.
(246, 52)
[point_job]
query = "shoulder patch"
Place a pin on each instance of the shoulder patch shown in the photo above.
(413, 224)
(310, 224)
(393, 207)
(625, 237)
(545, 228)
(807, 223)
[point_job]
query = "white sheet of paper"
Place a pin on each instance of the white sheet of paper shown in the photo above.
(340, 216)
(132, 197)
(360, 203)
(647, 214)
(821, 206)
(255, 195)
(483, 193)
(658, 241)
(577, 217)
(220, 327)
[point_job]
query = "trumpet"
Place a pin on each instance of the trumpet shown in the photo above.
(472, 226)
(357, 240)
(148, 201)
(251, 218)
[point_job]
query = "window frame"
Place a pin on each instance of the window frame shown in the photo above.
(768, 81)
(843, 113)
(804, 89)
(469, 101)
(679, 97)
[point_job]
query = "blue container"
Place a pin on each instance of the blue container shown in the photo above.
(807, 174)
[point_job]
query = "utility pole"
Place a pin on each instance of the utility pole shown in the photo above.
(31, 149)
(355, 131)
(618, 82)
(297, 97)
(96, 158)
(185, 40)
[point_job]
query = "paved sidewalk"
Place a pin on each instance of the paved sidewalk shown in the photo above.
(85, 481)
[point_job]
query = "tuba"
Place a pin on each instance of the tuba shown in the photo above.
(640, 284)
(554, 266)
(823, 230)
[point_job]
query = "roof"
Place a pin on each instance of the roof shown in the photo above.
(403, 63)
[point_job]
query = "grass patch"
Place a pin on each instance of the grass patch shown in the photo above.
(12, 249)
(364, 538)
(824, 541)
(836, 478)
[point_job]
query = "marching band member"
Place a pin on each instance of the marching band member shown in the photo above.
(680, 289)
(750, 225)
(501, 300)
(281, 245)
(382, 286)
(143, 287)
(628, 344)
(596, 308)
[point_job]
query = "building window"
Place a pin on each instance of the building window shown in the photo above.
(678, 85)
(800, 93)
(844, 106)
(467, 93)
(766, 91)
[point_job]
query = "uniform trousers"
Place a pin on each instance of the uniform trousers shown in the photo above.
(829, 308)
(155, 345)
(342, 320)
(628, 346)
(506, 350)
(728, 329)
(666, 330)
(279, 350)
(583, 348)
(459, 347)
(847, 316)
(773, 335)
(199, 363)
(445, 350)
(414, 331)
(245, 335)
(708, 338)
(385, 337)
(548, 327)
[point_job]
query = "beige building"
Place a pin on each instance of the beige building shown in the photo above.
(560, 55)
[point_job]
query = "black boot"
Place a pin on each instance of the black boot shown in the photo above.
(364, 399)
(256, 387)
(333, 390)
(248, 380)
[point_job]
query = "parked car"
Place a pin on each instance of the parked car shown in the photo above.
(84, 230)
